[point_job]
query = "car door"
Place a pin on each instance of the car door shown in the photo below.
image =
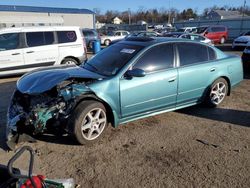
(11, 52)
(41, 49)
(157, 89)
(195, 69)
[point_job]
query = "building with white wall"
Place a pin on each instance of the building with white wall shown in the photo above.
(21, 16)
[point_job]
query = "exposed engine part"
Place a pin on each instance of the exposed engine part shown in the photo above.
(31, 113)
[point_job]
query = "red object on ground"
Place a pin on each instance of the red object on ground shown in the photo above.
(37, 180)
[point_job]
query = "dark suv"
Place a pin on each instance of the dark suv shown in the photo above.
(90, 35)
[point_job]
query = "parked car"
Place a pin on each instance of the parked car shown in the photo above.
(115, 35)
(24, 49)
(188, 29)
(190, 36)
(242, 41)
(132, 79)
(246, 59)
(148, 34)
(90, 35)
(138, 34)
(217, 33)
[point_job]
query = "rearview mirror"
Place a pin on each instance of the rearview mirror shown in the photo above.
(135, 73)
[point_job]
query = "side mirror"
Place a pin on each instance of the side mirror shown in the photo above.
(135, 73)
(206, 32)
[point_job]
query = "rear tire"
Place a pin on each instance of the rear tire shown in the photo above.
(107, 42)
(217, 93)
(222, 40)
(88, 122)
(69, 61)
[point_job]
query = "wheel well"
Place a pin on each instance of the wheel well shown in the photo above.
(229, 85)
(72, 57)
(93, 97)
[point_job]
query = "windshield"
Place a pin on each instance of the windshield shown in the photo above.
(247, 33)
(110, 33)
(110, 60)
(201, 30)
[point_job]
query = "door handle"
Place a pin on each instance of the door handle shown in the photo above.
(212, 69)
(29, 52)
(172, 79)
(15, 54)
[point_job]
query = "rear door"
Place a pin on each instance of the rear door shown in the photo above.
(195, 70)
(11, 52)
(154, 91)
(41, 49)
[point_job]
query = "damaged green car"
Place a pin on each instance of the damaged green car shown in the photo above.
(132, 79)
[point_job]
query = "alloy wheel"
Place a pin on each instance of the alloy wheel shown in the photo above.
(93, 124)
(218, 93)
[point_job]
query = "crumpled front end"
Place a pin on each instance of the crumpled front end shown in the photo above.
(36, 113)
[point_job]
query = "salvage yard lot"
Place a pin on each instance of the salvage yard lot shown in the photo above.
(192, 147)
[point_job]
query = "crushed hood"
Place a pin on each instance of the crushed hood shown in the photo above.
(42, 80)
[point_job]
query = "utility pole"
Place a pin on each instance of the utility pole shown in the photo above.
(169, 13)
(243, 14)
(129, 16)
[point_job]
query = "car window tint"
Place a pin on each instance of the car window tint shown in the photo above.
(124, 33)
(35, 39)
(39, 38)
(212, 54)
(117, 34)
(66, 36)
(49, 38)
(9, 41)
(157, 58)
(190, 53)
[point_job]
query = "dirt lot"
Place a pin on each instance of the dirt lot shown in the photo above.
(193, 147)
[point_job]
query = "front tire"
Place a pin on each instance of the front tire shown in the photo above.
(217, 92)
(88, 122)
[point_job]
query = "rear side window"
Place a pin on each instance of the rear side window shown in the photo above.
(66, 36)
(39, 38)
(211, 54)
(190, 53)
(9, 41)
(157, 58)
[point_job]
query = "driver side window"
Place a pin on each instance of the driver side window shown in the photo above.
(157, 58)
(9, 41)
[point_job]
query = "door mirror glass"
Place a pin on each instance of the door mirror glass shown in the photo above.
(135, 73)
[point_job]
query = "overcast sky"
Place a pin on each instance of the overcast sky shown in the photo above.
(122, 5)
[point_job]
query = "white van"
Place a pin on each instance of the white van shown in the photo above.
(27, 48)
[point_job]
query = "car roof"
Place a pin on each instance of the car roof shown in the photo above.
(148, 41)
(39, 28)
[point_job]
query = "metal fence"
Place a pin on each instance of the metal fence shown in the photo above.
(235, 26)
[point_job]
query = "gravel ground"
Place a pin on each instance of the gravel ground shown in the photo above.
(192, 147)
